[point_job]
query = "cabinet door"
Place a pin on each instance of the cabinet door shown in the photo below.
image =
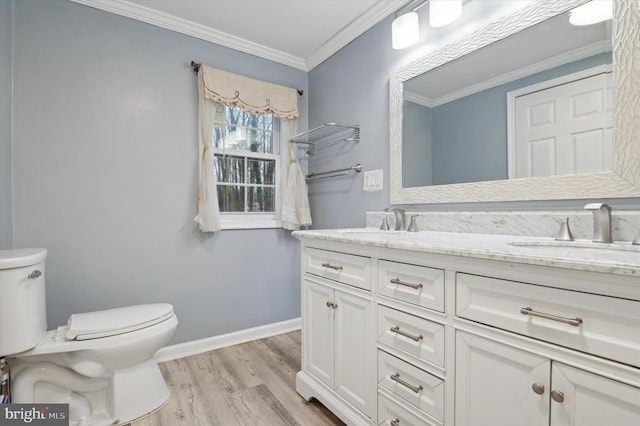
(494, 384)
(318, 332)
(587, 399)
(355, 353)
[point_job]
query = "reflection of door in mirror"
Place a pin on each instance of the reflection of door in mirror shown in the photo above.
(562, 126)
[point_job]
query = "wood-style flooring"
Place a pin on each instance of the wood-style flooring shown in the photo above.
(249, 384)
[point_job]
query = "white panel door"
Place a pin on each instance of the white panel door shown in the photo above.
(585, 399)
(355, 353)
(495, 384)
(318, 332)
(566, 129)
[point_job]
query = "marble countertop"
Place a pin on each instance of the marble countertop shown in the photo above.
(617, 258)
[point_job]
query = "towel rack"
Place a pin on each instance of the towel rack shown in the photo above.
(326, 135)
(334, 173)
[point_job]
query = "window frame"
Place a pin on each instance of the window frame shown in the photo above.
(254, 220)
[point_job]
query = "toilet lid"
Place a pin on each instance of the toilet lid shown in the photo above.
(111, 322)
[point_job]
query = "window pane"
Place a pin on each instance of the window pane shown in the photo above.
(262, 171)
(261, 199)
(219, 136)
(229, 169)
(231, 198)
(261, 141)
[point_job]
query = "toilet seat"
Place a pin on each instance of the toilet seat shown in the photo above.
(112, 322)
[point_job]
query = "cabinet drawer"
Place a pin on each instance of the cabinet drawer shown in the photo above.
(411, 283)
(345, 268)
(417, 336)
(412, 384)
(599, 325)
(391, 413)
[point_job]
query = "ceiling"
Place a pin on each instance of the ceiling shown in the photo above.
(298, 33)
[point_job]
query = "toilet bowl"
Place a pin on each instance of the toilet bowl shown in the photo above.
(100, 363)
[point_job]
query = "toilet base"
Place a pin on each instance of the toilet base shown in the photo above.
(130, 393)
(137, 391)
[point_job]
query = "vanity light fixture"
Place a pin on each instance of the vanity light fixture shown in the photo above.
(444, 12)
(405, 30)
(591, 13)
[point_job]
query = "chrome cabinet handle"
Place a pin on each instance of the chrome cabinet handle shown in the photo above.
(328, 265)
(396, 378)
(538, 388)
(396, 329)
(571, 321)
(395, 422)
(557, 396)
(332, 305)
(399, 282)
(35, 274)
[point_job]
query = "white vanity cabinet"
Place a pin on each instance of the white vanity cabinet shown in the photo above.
(339, 333)
(396, 335)
(337, 342)
(497, 384)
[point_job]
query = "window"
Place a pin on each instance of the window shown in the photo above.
(246, 164)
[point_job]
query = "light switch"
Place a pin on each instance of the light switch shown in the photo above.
(372, 180)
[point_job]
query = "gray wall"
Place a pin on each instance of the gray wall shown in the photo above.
(416, 145)
(6, 96)
(352, 86)
(105, 172)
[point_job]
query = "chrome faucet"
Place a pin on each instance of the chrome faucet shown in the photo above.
(601, 222)
(399, 217)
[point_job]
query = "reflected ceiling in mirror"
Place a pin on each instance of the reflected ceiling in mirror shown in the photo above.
(463, 69)
(455, 116)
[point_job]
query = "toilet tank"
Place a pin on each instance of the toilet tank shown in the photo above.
(23, 305)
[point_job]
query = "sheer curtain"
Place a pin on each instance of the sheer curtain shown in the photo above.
(208, 217)
(295, 209)
(218, 87)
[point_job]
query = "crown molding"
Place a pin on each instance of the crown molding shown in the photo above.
(170, 22)
(355, 28)
(417, 99)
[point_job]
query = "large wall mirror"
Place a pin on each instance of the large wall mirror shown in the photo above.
(530, 107)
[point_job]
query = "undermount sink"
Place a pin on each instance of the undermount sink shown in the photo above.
(579, 244)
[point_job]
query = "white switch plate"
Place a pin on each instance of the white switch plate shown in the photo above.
(372, 180)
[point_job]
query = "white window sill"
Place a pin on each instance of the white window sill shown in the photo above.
(232, 221)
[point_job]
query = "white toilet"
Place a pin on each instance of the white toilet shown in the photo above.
(101, 363)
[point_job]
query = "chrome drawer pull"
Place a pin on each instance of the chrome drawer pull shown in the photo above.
(571, 321)
(328, 265)
(395, 422)
(396, 329)
(332, 305)
(397, 281)
(396, 378)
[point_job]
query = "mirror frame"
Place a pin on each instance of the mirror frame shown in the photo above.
(622, 182)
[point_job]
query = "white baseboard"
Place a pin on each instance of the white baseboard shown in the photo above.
(195, 347)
